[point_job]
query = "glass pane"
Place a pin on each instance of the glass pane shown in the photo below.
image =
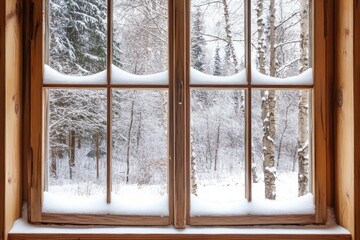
(75, 170)
(75, 40)
(217, 152)
(140, 44)
(139, 158)
(217, 42)
(281, 146)
(281, 41)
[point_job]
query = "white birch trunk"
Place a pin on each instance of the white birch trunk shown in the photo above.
(269, 124)
(303, 115)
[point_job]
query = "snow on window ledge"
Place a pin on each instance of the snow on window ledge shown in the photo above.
(305, 78)
(128, 205)
(51, 76)
(300, 205)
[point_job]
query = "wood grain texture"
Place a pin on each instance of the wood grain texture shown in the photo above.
(10, 113)
(344, 115)
(2, 117)
(26, 151)
(330, 180)
(171, 116)
(89, 219)
(320, 110)
(252, 220)
(179, 236)
(36, 118)
(179, 106)
(357, 119)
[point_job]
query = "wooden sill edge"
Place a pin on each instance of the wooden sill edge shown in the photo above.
(93, 236)
(23, 230)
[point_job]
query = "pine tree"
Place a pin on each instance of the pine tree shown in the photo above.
(78, 36)
(217, 62)
(198, 42)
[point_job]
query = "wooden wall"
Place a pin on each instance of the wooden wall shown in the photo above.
(347, 116)
(10, 113)
(357, 117)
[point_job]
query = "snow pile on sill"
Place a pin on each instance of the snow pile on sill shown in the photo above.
(301, 205)
(119, 76)
(120, 205)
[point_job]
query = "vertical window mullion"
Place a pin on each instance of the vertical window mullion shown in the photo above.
(180, 86)
(109, 103)
(248, 141)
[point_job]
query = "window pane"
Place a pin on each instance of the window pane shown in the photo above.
(139, 158)
(281, 138)
(281, 41)
(140, 44)
(75, 170)
(217, 152)
(76, 40)
(217, 42)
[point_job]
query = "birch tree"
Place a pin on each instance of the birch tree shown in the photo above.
(303, 127)
(268, 99)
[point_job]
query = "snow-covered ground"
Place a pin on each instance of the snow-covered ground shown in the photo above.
(212, 199)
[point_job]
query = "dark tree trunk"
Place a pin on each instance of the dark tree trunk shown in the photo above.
(129, 142)
(72, 153)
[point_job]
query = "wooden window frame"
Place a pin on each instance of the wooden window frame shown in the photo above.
(179, 88)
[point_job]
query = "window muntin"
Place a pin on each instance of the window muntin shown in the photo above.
(319, 139)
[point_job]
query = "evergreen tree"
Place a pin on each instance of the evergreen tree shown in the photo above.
(78, 36)
(198, 43)
(217, 62)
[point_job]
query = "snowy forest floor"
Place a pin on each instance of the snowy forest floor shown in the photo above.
(223, 198)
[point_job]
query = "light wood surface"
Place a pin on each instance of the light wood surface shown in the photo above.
(344, 114)
(180, 236)
(357, 119)
(2, 117)
(10, 113)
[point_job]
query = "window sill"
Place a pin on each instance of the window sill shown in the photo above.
(23, 230)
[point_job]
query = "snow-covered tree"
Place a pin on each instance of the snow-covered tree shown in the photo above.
(303, 135)
(217, 62)
(198, 42)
